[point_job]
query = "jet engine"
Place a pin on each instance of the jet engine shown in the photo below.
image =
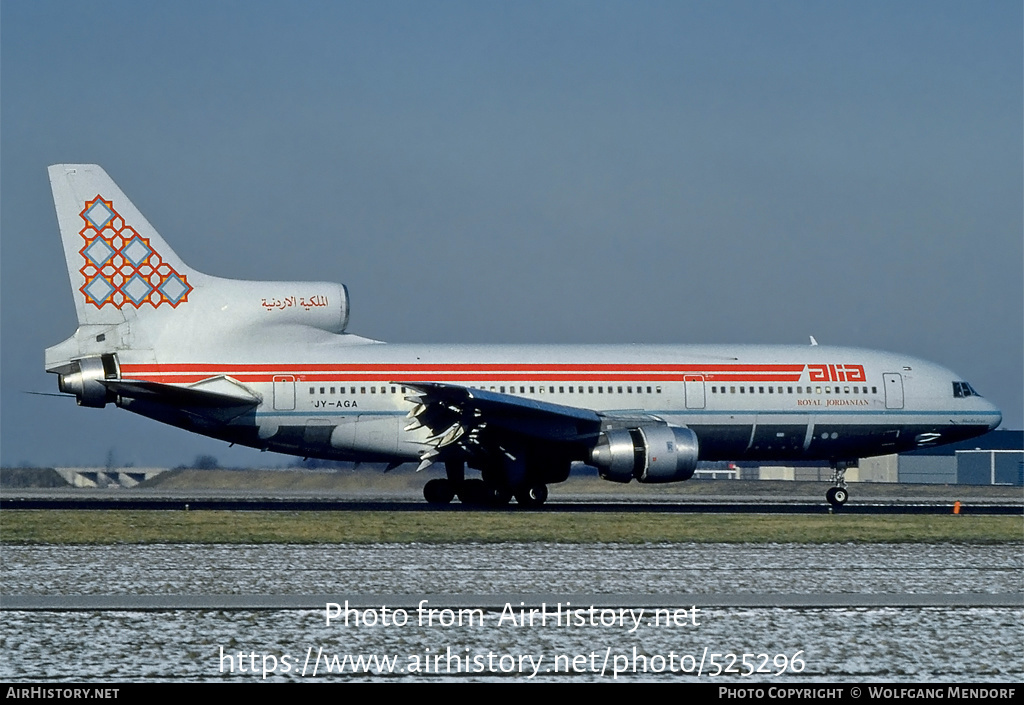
(648, 453)
(83, 379)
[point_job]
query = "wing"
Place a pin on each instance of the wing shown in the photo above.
(479, 424)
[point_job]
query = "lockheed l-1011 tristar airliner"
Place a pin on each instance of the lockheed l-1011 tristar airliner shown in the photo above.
(271, 365)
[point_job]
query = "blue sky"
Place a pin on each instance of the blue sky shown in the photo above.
(510, 172)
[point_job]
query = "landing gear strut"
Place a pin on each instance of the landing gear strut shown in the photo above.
(838, 494)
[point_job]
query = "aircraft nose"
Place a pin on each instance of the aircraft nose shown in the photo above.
(997, 417)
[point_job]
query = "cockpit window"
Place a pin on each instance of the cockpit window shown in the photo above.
(963, 389)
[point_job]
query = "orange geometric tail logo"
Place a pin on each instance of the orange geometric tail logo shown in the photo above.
(121, 267)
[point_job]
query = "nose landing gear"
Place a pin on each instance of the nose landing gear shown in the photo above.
(838, 494)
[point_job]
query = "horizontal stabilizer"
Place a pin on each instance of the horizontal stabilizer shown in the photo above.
(178, 396)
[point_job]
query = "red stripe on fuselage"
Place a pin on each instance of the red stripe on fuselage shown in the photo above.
(496, 368)
(188, 373)
(463, 378)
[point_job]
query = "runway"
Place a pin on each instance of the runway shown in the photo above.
(495, 603)
(170, 612)
(242, 501)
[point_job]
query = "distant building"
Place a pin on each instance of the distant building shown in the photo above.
(103, 477)
(997, 458)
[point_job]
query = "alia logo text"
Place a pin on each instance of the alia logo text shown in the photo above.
(836, 373)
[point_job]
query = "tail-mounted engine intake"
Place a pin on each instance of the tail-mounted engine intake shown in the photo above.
(648, 453)
(84, 380)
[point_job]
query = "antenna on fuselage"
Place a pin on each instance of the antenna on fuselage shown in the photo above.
(813, 341)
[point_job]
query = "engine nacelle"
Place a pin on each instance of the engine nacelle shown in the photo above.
(83, 380)
(648, 453)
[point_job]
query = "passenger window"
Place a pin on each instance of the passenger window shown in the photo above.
(312, 390)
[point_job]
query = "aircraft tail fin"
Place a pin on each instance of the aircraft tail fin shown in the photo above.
(117, 262)
(133, 293)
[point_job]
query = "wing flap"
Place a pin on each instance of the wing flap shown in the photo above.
(442, 406)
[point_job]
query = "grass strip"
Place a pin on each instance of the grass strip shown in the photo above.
(20, 527)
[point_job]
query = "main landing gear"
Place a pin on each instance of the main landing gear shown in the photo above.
(480, 492)
(483, 494)
(838, 494)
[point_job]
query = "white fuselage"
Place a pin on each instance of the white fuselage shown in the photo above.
(763, 402)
